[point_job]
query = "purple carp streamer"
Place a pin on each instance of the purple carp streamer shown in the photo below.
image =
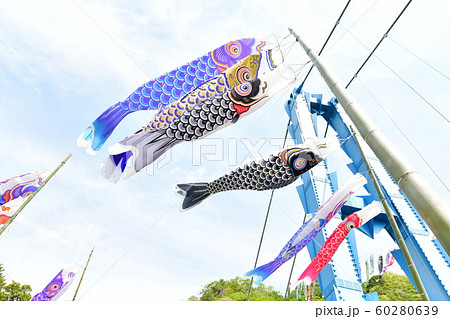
(21, 186)
(306, 233)
(169, 87)
(58, 285)
(333, 242)
(276, 171)
(143, 147)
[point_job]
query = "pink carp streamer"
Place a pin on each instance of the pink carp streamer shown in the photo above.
(331, 245)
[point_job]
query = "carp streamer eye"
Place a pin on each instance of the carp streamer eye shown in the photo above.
(233, 48)
(349, 225)
(300, 163)
(244, 74)
(244, 89)
(53, 287)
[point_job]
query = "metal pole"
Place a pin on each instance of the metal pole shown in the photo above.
(292, 268)
(398, 235)
(265, 222)
(260, 242)
(29, 198)
(428, 203)
(82, 275)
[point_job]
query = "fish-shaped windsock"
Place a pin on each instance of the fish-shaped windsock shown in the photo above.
(389, 261)
(140, 149)
(21, 185)
(310, 229)
(278, 170)
(330, 246)
(8, 209)
(380, 264)
(59, 284)
(169, 87)
(245, 70)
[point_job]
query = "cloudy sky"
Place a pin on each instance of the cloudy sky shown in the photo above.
(62, 63)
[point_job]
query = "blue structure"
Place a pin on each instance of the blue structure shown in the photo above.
(431, 260)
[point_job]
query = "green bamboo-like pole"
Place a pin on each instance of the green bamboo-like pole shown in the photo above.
(82, 275)
(398, 235)
(30, 197)
(427, 202)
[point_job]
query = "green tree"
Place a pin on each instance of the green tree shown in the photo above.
(236, 289)
(14, 291)
(392, 287)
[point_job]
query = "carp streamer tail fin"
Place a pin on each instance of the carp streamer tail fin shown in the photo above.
(137, 151)
(264, 271)
(192, 193)
(99, 131)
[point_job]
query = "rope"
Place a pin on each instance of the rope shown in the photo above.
(272, 103)
(356, 21)
(304, 80)
(292, 268)
(109, 36)
(265, 223)
(397, 75)
(425, 62)
(379, 42)
(328, 38)
(314, 240)
(288, 49)
(404, 135)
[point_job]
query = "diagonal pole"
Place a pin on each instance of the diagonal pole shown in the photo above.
(82, 275)
(427, 202)
(398, 235)
(29, 198)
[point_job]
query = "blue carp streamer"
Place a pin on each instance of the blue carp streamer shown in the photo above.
(157, 93)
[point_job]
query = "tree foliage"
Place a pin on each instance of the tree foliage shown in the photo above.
(236, 289)
(14, 291)
(389, 287)
(392, 287)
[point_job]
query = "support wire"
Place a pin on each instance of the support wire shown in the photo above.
(378, 44)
